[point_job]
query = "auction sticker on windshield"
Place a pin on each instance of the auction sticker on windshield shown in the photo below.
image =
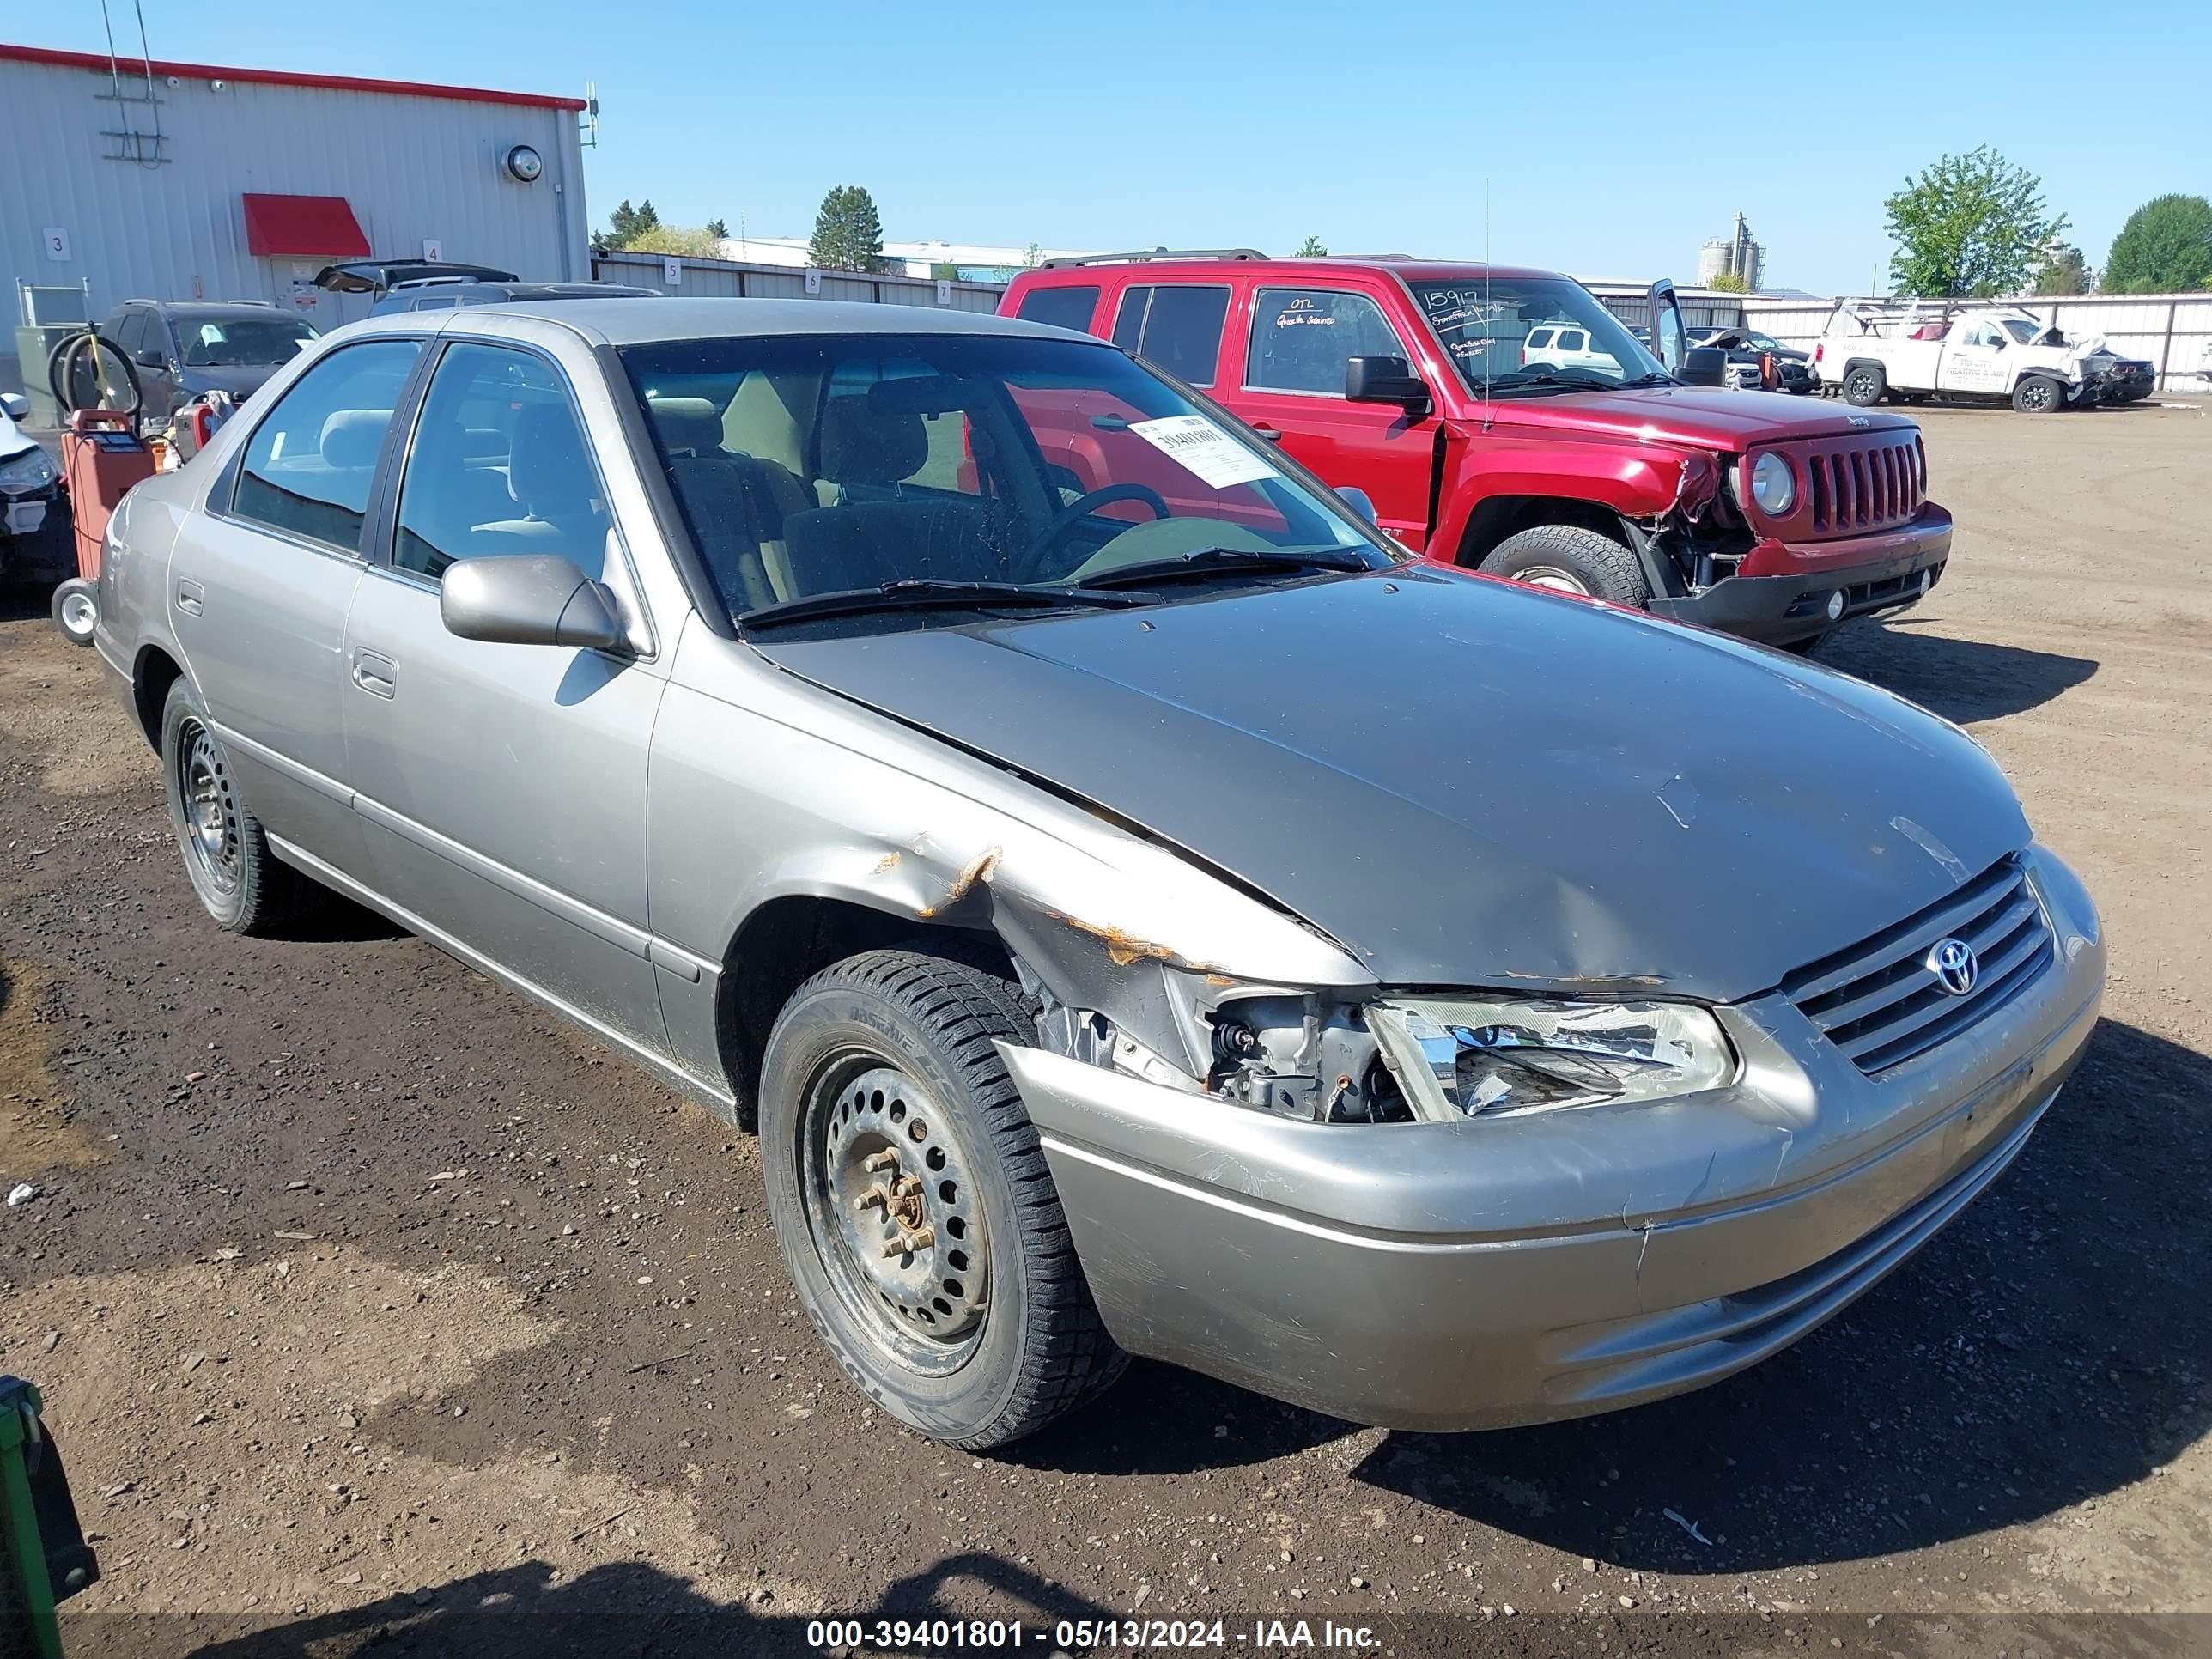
(1204, 449)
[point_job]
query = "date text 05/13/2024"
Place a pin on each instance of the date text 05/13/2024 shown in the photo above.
(1078, 1635)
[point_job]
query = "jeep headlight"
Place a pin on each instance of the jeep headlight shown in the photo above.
(1773, 485)
(32, 470)
(1506, 1057)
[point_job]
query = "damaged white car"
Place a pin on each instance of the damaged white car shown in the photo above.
(1152, 918)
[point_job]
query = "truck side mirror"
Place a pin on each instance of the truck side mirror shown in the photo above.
(16, 406)
(1385, 380)
(1704, 365)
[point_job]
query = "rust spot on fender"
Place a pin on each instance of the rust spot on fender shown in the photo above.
(979, 870)
(886, 864)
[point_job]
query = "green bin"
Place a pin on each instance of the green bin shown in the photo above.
(44, 1558)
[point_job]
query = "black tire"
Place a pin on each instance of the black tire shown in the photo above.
(1571, 559)
(1865, 385)
(74, 609)
(1036, 1348)
(242, 885)
(2037, 394)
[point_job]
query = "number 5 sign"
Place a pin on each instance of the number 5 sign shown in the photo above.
(57, 241)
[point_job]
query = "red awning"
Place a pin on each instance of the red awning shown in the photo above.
(304, 226)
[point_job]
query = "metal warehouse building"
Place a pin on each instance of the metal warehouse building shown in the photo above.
(132, 178)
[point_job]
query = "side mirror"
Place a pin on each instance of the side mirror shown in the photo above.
(1385, 380)
(15, 405)
(1358, 501)
(529, 599)
(151, 360)
(1704, 365)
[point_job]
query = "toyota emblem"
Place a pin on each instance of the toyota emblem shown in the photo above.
(1954, 965)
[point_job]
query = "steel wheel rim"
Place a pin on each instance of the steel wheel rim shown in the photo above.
(78, 614)
(1551, 576)
(209, 807)
(1861, 385)
(903, 1242)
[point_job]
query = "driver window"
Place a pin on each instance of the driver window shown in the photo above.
(1303, 338)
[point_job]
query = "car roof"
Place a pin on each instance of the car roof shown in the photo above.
(211, 307)
(620, 321)
(1413, 270)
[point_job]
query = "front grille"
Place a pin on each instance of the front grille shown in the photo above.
(1880, 1002)
(1859, 484)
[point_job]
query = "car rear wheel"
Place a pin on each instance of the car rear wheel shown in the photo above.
(241, 885)
(1864, 385)
(912, 1203)
(1569, 559)
(2037, 394)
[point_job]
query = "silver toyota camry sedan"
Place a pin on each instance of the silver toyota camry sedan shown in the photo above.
(1142, 910)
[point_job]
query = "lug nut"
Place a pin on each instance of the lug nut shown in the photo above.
(886, 1159)
(910, 1243)
(906, 1186)
(871, 1198)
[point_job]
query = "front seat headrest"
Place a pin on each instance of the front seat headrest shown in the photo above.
(865, 443)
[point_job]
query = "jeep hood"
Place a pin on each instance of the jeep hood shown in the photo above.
(1713, 419)
(1470, 783)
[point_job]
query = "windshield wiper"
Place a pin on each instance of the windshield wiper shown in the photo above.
(921, 593)
(1212, 561)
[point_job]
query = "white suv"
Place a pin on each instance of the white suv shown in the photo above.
(1566, 345)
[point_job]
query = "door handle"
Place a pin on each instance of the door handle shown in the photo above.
(189, 595)
(1272, 434)
(377, 675)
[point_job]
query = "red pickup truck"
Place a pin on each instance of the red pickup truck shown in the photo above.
(1503, 418)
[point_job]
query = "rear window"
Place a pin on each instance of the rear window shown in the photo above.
(1061, 307)
(1176, 327)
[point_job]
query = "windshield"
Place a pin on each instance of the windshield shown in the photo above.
(240, 342)
(842, 465)
(2020, 330)
(1522, 336)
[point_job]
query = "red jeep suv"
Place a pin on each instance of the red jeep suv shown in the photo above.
(1503, 418)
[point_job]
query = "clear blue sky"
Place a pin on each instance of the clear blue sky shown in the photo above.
(1616, 137)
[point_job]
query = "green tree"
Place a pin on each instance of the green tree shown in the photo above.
(718, 228)
(698, 243)
(2165, 247)
(1032, 256)
(848, 234)
(627, 222)
(1969, 225)
(2063, 271)
(1727, 282)
(1313, 248)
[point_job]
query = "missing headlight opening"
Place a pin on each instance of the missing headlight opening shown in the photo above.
(1305, 1057)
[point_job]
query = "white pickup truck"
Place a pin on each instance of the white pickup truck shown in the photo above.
(2005, 355)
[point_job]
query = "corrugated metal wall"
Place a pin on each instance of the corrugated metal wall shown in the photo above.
(413, 169)
(2173, 330)
(728, 279)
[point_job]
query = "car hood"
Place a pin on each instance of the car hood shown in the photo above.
(239, 379)
(1709, 417)
(1470, 783)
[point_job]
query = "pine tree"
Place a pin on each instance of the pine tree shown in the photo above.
(849, 235)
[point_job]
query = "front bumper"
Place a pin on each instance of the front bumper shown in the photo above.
(1781, 591)
(1485, 1274)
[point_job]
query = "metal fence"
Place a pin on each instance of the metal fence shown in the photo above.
(730, 279)
(2173, 331)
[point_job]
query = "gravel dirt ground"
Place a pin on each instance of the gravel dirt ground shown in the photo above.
(376, 1310)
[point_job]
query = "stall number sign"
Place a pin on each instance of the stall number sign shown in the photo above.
(944, 294)
(814, 281)
(671, 271)
(57, 241)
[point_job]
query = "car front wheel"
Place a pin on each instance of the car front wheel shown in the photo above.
(1569, 559)
(2038, 394)
(912, 1203)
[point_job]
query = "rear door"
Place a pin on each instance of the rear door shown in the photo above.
(259, 585)
(1290, 388)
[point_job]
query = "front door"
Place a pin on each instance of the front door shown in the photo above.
(502, 787)
(1973, 360)
(1292, 389)
(259, 586)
